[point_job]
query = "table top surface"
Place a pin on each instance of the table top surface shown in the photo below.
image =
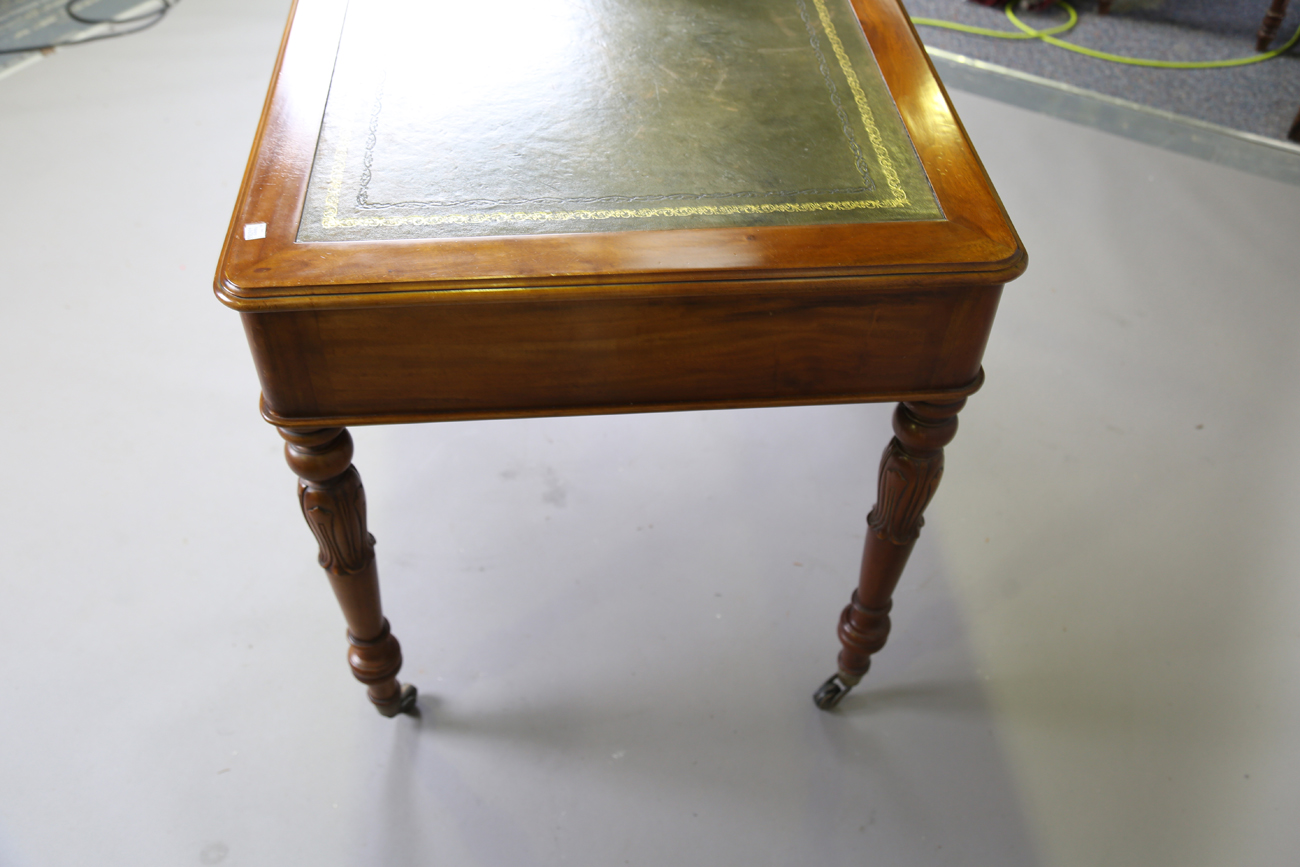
(416, 147)
(598, 116)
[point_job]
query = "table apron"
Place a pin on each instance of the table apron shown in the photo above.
(431, 362)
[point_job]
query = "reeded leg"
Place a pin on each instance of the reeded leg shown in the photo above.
(1272, 21)
(334, 504)
(909, 474)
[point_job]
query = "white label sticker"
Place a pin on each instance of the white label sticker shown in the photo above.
(254, 231)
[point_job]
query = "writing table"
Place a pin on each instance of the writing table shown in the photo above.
(552, 207)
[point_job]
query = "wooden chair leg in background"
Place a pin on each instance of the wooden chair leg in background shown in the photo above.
(1272, 21)
(334, 504)
(909, 475)
(1294, 133)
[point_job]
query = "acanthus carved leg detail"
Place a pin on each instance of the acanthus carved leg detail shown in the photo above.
(334, 504)
(910, 471)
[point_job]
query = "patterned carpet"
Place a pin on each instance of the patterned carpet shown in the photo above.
(1261, 98)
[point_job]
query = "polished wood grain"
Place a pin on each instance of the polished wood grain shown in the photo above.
(407, 330)
(818, 343)
(910, 471)
(334, 504)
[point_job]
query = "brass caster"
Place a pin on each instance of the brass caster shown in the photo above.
(832, 692)
(403, 703)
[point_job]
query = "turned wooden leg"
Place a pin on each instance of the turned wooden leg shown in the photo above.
(334, 504)
(1272, 21)
(909, 475)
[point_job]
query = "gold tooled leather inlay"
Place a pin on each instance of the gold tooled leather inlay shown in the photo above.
(583, 147)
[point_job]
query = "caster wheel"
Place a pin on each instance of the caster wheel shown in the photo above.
(831, 692)
(403, 703)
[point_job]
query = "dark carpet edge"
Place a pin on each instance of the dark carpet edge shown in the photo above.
(1257, 155)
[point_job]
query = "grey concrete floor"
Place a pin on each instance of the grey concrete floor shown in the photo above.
(616, 623)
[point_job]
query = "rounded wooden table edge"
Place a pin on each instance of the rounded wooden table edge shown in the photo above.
(310, 423)
(654, 286)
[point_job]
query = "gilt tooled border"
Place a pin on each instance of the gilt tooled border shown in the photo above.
(330, 218)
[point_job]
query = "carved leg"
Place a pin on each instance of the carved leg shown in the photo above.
(1272, 21)
(334, 504)
(909, 474)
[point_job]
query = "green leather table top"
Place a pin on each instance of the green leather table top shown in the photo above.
(550, 116)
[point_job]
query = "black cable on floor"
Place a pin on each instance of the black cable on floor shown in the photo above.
(149, 18)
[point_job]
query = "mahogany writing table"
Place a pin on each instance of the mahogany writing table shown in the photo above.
(551, 207)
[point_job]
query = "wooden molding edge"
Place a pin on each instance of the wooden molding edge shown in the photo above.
(932, 396)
